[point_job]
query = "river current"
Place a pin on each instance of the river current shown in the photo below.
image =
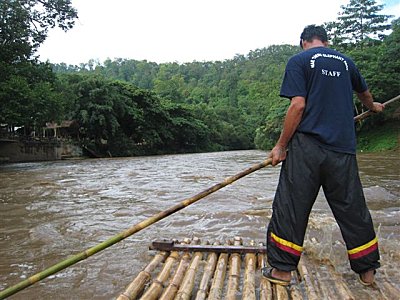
(52, 210)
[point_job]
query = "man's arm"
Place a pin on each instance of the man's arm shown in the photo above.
(367, 99)
(292, 121)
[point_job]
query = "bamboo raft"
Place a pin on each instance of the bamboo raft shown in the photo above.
(190, 270)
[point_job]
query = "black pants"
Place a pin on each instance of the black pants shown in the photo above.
(309, 166)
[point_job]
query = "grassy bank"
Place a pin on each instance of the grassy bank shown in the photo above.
(380, 138)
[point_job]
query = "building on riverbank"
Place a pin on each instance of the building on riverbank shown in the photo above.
(38, 149)
(54, 142)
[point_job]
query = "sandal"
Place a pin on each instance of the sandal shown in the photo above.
(267, 273)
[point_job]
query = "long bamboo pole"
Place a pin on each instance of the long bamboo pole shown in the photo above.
(368, 113)
(128, 232)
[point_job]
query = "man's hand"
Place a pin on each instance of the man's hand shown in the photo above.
(367, 99)
(278, 154)
(377, 107)
(292, 121)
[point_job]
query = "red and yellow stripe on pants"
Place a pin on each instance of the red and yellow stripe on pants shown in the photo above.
(286, 245)
(363, 250)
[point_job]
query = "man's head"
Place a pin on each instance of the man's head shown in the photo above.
(312, 33)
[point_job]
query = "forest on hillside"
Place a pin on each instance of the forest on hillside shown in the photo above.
(127, 107)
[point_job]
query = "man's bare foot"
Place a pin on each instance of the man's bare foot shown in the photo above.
(367, 278)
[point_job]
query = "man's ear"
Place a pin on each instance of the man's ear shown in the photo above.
(326, 43)
(305, 44)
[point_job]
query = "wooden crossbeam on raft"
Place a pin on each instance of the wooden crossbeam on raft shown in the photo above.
(172, 246)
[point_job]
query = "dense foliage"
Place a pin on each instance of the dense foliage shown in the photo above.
(117, 118)
(27, 95)
(129, 107)
(211, 105)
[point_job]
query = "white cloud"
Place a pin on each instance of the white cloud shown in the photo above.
(182, 30)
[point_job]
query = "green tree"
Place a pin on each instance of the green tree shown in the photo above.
(27, 94)
(28, 97)
(267, 134)
(118, 118)
(357, 23)
(391, 62)
(24, 25)
(169, 82)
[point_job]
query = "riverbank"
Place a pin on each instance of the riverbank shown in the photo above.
(35, 149)
(385, 137)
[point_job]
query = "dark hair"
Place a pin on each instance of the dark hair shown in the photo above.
(312, 32)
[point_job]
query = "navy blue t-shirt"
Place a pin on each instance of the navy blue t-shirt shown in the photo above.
(326, 78)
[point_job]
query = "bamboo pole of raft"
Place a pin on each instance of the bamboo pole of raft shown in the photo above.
(330, 285)
(281, 292)
(186, 288)
(170, 291)
(324, 285)
(207, 275)
(137, 285)
(172, 288)
(249, 291)
(260, 257)
(265, 285)
(306, 277)
(128, 232)
(388, 289)
(294, 289)
(219, 278)
(156, 288)
(265, 289)
(234, 272)
(342, 291)
(295, 292)
(368, 113)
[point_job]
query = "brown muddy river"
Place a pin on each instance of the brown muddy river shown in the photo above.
(51, 210)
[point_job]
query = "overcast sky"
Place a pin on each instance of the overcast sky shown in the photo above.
(185, 30)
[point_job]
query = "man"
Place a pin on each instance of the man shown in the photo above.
(317, 146)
